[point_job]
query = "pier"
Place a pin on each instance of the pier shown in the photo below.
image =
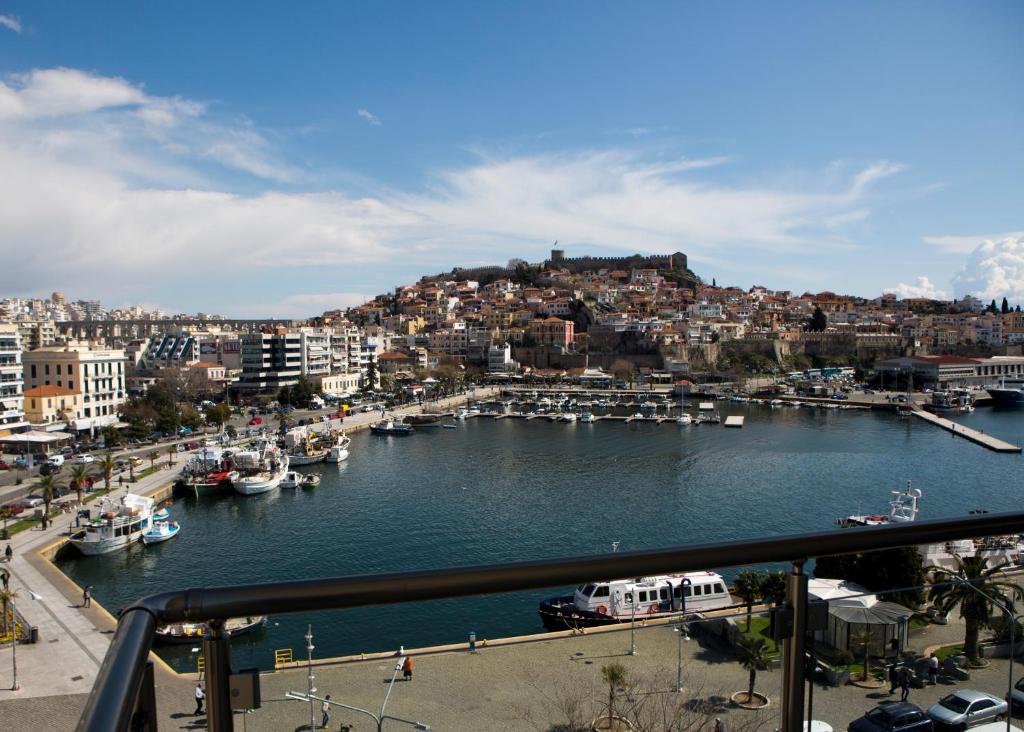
(992, 443)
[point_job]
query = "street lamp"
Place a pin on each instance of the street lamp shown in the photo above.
(681, 630)
(14, 638)
(377, 718)
(309, 676)
(1013, 622)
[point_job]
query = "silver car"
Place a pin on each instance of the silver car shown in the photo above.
(966, 708)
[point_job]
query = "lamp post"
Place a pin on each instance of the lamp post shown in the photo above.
(309, 676)
(1013, 622)
(377, 718)
(681, 631)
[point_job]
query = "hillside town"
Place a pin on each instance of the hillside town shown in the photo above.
(74, 365)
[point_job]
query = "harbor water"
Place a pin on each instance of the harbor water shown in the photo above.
(509, 490)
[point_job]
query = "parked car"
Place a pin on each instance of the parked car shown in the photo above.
(67, 451)
(83, 459)
(13, 508)
(191, 445)
(1017, 695)
(57, 460)
(49, 469)
(120, 466)
(180, 447)
(4, 465)
(135, 460)
(895, 717)
(255, 421)
(31, 501)
(966, 708)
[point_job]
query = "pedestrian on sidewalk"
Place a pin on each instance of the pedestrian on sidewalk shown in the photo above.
(200, 695)
(933, 668)
(719, 725)
(9, 553)
(407, 668)
(894, 677)
(86, 597)
(904, 684)
(326, 709)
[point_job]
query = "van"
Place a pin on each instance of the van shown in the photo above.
(56, 460)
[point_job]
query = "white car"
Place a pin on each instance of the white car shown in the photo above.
(83, 460)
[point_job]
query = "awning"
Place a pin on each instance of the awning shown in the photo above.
(37, 437)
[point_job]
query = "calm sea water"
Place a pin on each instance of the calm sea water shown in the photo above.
(512, 490)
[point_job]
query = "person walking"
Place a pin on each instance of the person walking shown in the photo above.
(894, 677)
(407, 668)
(200, 695)
(326, 709)
(86, 597)
(904, 684)
(719, 725)
(933, 668)
(8, 552)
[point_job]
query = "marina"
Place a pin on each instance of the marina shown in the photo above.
(533, 488)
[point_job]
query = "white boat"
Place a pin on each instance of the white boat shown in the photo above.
(568, 417)
(684, 418)
(339, 450)
(258, 471)
(310, 480)
(162, 514)
(774, 403)
(192, 633)
(587, 417)
(462, 413)
(623, 600)
(114, 525)
(391, 427)
(291, 479)
(305, 447)
(160, 531)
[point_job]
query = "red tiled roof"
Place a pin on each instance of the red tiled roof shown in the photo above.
(49, 391)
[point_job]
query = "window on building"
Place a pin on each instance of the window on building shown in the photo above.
(46, 370)
(33, 369)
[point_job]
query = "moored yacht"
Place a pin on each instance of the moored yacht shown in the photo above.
(114, 526)
(339, 450)
(684, 419)
(620, 601)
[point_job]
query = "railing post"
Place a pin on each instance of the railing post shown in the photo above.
(145, 717)
(793, 651)
(217, 660)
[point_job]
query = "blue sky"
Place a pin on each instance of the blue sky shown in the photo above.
(247, 159)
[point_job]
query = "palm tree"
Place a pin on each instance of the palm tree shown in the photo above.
(950, 589)
(748, 586)
(774, 588)
(614, 674)
(7, 602)
(153, 457)
(172, 450)
(49, 488)
(753, 656)
(78, 475)
(105, 467)
(865, 641)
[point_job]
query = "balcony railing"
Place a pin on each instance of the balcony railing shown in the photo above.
(123, 688)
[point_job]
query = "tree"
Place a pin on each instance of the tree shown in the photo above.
(79, 474)
(881, 571)
(105, 467)
(950, 589)
(172, 450)
(218, 414)
(190, 418)
(752, 652)
(284, 396)
(1005, 307)
(370, 379)
(614, 674)
(7, 597)
(747, 586)
(773, 587)
(48, 486)
(818, 322)
(624, 370)
(153, 457)
(992, 307)
(865, 641)
(111, 436)
(231, 431)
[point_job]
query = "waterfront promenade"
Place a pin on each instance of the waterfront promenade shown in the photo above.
(73, 639)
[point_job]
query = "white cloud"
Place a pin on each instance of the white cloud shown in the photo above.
(994, 270)
(369, 117)
(11, 23)
(967, 244)
(108, 185)
(923, 288)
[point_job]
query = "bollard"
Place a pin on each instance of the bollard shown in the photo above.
(472, 641)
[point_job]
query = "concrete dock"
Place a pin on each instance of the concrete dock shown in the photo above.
(992, 443)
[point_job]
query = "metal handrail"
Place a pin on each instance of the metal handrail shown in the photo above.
(113, 695)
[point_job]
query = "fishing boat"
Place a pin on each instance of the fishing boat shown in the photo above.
(310, 480)
(305, 446)
(206, 472)
(339, 450)
(1009, 393)
(423, 421)
(160, 531)
(903, 507)
(391, 427)
(954, 400)
(624, 600)
(291, 479)
(259, 470)
(162, 514)
(112, 526)
(181, 633)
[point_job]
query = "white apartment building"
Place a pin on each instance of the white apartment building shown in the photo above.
(499, 359)
(98, 374)
(270, 360)
(334, 358)
(12, 384)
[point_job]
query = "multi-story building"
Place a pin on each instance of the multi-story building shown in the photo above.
(46, 405)
(552, 332)
(270, 360)
(499, 359)
(98, 374)
(12, 412)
